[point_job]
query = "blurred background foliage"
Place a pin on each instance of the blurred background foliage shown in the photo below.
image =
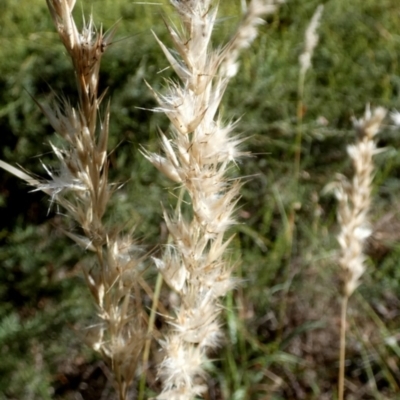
(282, 322)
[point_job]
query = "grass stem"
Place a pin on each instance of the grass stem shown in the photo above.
(146, 351)
(342, 356)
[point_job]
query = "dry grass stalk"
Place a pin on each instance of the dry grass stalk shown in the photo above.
(354, 202)
(197, 156)
(81, 187)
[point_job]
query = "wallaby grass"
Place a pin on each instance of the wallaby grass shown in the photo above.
(268, 353)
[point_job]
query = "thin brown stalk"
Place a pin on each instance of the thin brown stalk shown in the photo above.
(342, 356)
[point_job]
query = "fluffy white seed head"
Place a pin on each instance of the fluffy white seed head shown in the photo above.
(355, 197)
(311, 40)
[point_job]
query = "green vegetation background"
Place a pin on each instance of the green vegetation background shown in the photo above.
(282, 322)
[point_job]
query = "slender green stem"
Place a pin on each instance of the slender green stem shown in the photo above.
(290, 225)
(299, 128)
(342, 347)
(146, 351)
(365, 353)
(291, 221)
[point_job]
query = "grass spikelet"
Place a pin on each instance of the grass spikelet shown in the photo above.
(198, 153)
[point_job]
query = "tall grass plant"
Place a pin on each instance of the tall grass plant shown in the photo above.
(355, 61)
